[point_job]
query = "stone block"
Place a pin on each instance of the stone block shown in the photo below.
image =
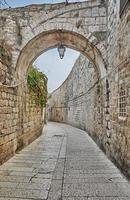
(101, 20)
(95, 12)
(102, 11)
(86, 13)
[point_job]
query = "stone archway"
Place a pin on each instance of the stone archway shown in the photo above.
(93, 27)
(51, 39)
(84, 22)
(32, 30)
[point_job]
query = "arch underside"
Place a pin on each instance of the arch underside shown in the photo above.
(52, 39)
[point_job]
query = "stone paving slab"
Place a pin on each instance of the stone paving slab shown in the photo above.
(95, 189)
(95, 198)
(16, 179)
(55, 192)
(62, 164)
(23, 193)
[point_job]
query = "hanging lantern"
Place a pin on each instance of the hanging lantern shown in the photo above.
(61, 50)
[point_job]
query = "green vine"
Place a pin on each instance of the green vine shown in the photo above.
(37, 84)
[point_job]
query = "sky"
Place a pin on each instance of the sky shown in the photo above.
(19, 3)
(55, 68)
(49, 62)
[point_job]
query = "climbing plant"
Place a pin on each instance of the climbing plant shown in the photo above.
(37, 84)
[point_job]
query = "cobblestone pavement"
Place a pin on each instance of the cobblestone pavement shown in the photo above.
(63, 164)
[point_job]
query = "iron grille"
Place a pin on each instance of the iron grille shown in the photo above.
(122, 101)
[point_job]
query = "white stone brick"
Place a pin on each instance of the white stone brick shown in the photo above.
(95, 12)
(102, 11)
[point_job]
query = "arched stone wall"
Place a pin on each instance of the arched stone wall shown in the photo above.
(23, 27)
(28, 32)
(52, 39)
(96, 29)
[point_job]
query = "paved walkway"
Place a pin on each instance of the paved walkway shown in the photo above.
(63, 164)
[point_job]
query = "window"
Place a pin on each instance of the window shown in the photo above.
(122, 101)
(123, 4)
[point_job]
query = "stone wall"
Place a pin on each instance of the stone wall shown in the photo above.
(90, 103)
(26, 31)
(72, 96)
(79, 100)
(99, 109)
(118, 130)
(91, 97)
(20, 119)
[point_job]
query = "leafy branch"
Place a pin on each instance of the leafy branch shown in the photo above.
(37, 84)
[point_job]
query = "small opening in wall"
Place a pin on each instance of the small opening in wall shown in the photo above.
(107, 91)
(98, 89)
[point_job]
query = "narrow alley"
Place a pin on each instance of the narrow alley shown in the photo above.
(62, 164)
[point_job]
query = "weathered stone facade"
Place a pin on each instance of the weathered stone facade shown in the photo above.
(96, 104)
(20, 119)
(118, 127)
(79, 100)
(82, 102)
(101, 97)
(31, 30)
(27, 32)
(72, 102)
